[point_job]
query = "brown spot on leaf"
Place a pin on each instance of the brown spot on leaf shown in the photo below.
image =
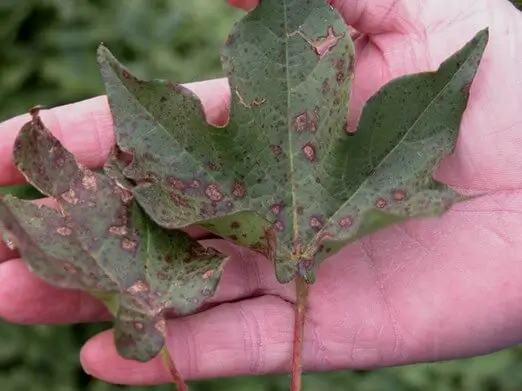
(69, 268)
(398, 194)
(316, 222)
(208, 274)
(235, 225)
(276, 149)
(300, 122)
(213, 192)
(206, 292)
(326, 86)
(238, 189)
(64, 231)
(309, 151)
(138, 287)
(279, 226)
(179, 200)
(325, 235)
(323, 45)
(128, 245)
(195, 184)
(300, 210)
(89, 182)
(161, 326)
(340, 74)
(162, 275)
(58, 155)
(196, 251)
(351, 65)
(230, 39)
(466, 88)
(314, 121)
(213, 166)
(177, 183)
(276, 208)
(380, 203)
(345, 222)
(70, 197)
(118, 230)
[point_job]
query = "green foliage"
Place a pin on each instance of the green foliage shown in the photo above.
(27, 365)
(47, 57)
(48, 46)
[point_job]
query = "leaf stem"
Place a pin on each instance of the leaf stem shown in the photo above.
(300, 313)
(176, 376)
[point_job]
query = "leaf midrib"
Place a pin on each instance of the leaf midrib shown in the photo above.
(289, 130)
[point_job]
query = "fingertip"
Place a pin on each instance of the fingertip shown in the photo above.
(27, 299)
(100, 359)
(214, 95)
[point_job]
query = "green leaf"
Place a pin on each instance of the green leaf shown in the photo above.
(22, 191)
(99, 240)
(284, 166)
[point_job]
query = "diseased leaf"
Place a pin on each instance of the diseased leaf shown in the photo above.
(44, 238)
(99, 240)
(284, 157)
(114, 166)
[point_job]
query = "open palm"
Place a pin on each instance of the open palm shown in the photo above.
(423, 290)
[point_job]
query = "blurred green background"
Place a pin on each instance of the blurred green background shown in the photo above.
(48, 57)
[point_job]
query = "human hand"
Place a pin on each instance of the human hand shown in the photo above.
(420, 291)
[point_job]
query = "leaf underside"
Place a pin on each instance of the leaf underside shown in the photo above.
(99, 240)
(284, 177)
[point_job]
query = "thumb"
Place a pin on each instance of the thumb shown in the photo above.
(392, 16)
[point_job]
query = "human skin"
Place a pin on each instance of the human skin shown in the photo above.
(425, 290)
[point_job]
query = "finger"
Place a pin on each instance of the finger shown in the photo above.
(203, 346)
(86, 128)
(390, 16)
(26, 299)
